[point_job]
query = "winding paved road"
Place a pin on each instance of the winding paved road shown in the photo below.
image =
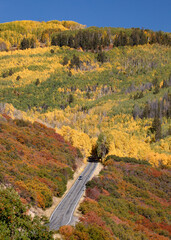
(63, 213)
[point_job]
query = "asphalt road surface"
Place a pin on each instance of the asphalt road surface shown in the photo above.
(63, 213)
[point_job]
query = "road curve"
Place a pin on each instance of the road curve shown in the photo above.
(63, 213)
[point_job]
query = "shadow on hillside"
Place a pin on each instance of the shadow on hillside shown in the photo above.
(92, 159)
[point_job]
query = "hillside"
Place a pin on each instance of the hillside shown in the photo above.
(32, 34)
(35, 160)
(38, 33)
(69, 93)
(129, 201)
(81, 97)
(15, 223)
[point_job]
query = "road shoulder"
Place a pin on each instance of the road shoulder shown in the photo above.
(77, 213)
(36, 211)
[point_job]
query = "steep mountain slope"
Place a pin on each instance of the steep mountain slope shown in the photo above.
(15, 223)
(35, 160)
(130, 200)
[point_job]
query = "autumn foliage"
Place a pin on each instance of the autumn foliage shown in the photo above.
(106, 94)
(15, 223)
(35, 160)
(129, 200)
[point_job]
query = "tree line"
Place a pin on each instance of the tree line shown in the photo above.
(139, 37)
(96, 40)
(87, 40)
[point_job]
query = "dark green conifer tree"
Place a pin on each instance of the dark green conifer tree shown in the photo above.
(25, 43)
(135, 37)
(156, 126)
(101, 57)
(65, 61)
(71, 41)
(70, 99)
(143, 37)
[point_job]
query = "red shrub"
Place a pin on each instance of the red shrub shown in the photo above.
(92, 218)
(153, 172)
(93, 193)
(67, 231)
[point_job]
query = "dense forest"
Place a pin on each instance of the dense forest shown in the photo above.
(69, 93)
(98, 39)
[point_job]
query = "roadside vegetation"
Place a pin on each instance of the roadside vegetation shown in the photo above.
(35, 161)
(15, 223)
(129, 201)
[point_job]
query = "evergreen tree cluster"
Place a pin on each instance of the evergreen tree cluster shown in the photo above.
(156, 110)
(156, 86)
(161, 38)
(138, 95)
(28, 43)
(139, 37)
(156, 127)
(75, 62)
(96, 40)
(87, 40)
(101, 57)
(10, 72)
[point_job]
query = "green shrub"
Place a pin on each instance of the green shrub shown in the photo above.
(18, 78)
(15, 223)
(127, 160)
(21, 123)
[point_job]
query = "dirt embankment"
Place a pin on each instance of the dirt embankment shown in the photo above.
(35, 211)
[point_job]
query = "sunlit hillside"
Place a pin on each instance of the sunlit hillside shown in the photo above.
(81, 97)
(69, 94)
(128, 201)
(35, 161)
(12, 33)
(15, 223)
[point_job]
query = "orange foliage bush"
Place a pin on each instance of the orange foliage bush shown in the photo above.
(92, 218)
(67, 231)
